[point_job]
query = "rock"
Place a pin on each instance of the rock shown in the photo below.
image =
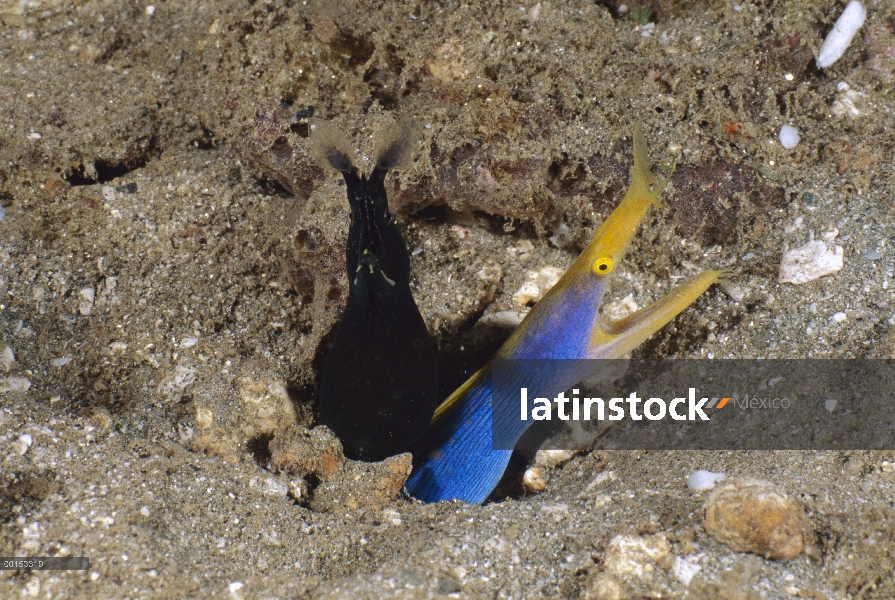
(539, 282)
(85, 306)
(637, 556)
(534, 480)
(504, 319)
(316, 456)
(630, 566)
(554, 458)
(316, 452)
(363, 485)
(212, 439)
(750, 515)
(684, 569)
(266, 407)
(810, 262)
(22, 445)
(789, 136)
(527, 293)
(7, 358)
(14, 384)
(615, 311)
(602, 587)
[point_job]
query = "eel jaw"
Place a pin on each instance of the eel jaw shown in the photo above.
(615, 339)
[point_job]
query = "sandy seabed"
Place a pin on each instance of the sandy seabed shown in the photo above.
(171, 270)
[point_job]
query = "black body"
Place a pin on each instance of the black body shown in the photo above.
(379, 387)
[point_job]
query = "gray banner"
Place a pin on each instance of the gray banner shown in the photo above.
(694, 404)
(44, 563)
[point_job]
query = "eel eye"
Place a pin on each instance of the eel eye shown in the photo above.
(603, 266)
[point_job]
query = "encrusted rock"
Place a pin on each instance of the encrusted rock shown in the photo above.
(363, 485)
(750, 515)
(211, 438)
(316, 456)
(630, 566)
(602, 587)
(316, 452)
(637, 556)
(266, 407)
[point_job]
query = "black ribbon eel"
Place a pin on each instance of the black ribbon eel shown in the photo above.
(379, 386)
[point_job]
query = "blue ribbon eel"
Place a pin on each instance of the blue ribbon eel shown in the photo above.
(459, 461)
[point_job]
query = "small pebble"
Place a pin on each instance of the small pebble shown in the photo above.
(14, 384)
(700, 480)
(7, 358)
(537, 285)
(23, 443)
(637, 556)
(839, 317)
(235, 586)
(750, 515)
(506, 319)
(848, 102)
(534, 480)
(789, 136)
(392, 516)
(272, 487)
(554, 458)
(562, 237)
(684, 569)
(85, 307)
(615, 311)
(809, 262)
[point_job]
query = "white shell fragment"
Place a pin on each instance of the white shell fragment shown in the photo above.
(810, 262)
(700, 480)
(7, 358)
(789, 136)
(23, 443)
(848, 102)
(841, 35)
(14, 384)
(85, 307)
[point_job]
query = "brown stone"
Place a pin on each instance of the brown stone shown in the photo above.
(307, 452)
(316, 455)
(363, 485)
(750, 515)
